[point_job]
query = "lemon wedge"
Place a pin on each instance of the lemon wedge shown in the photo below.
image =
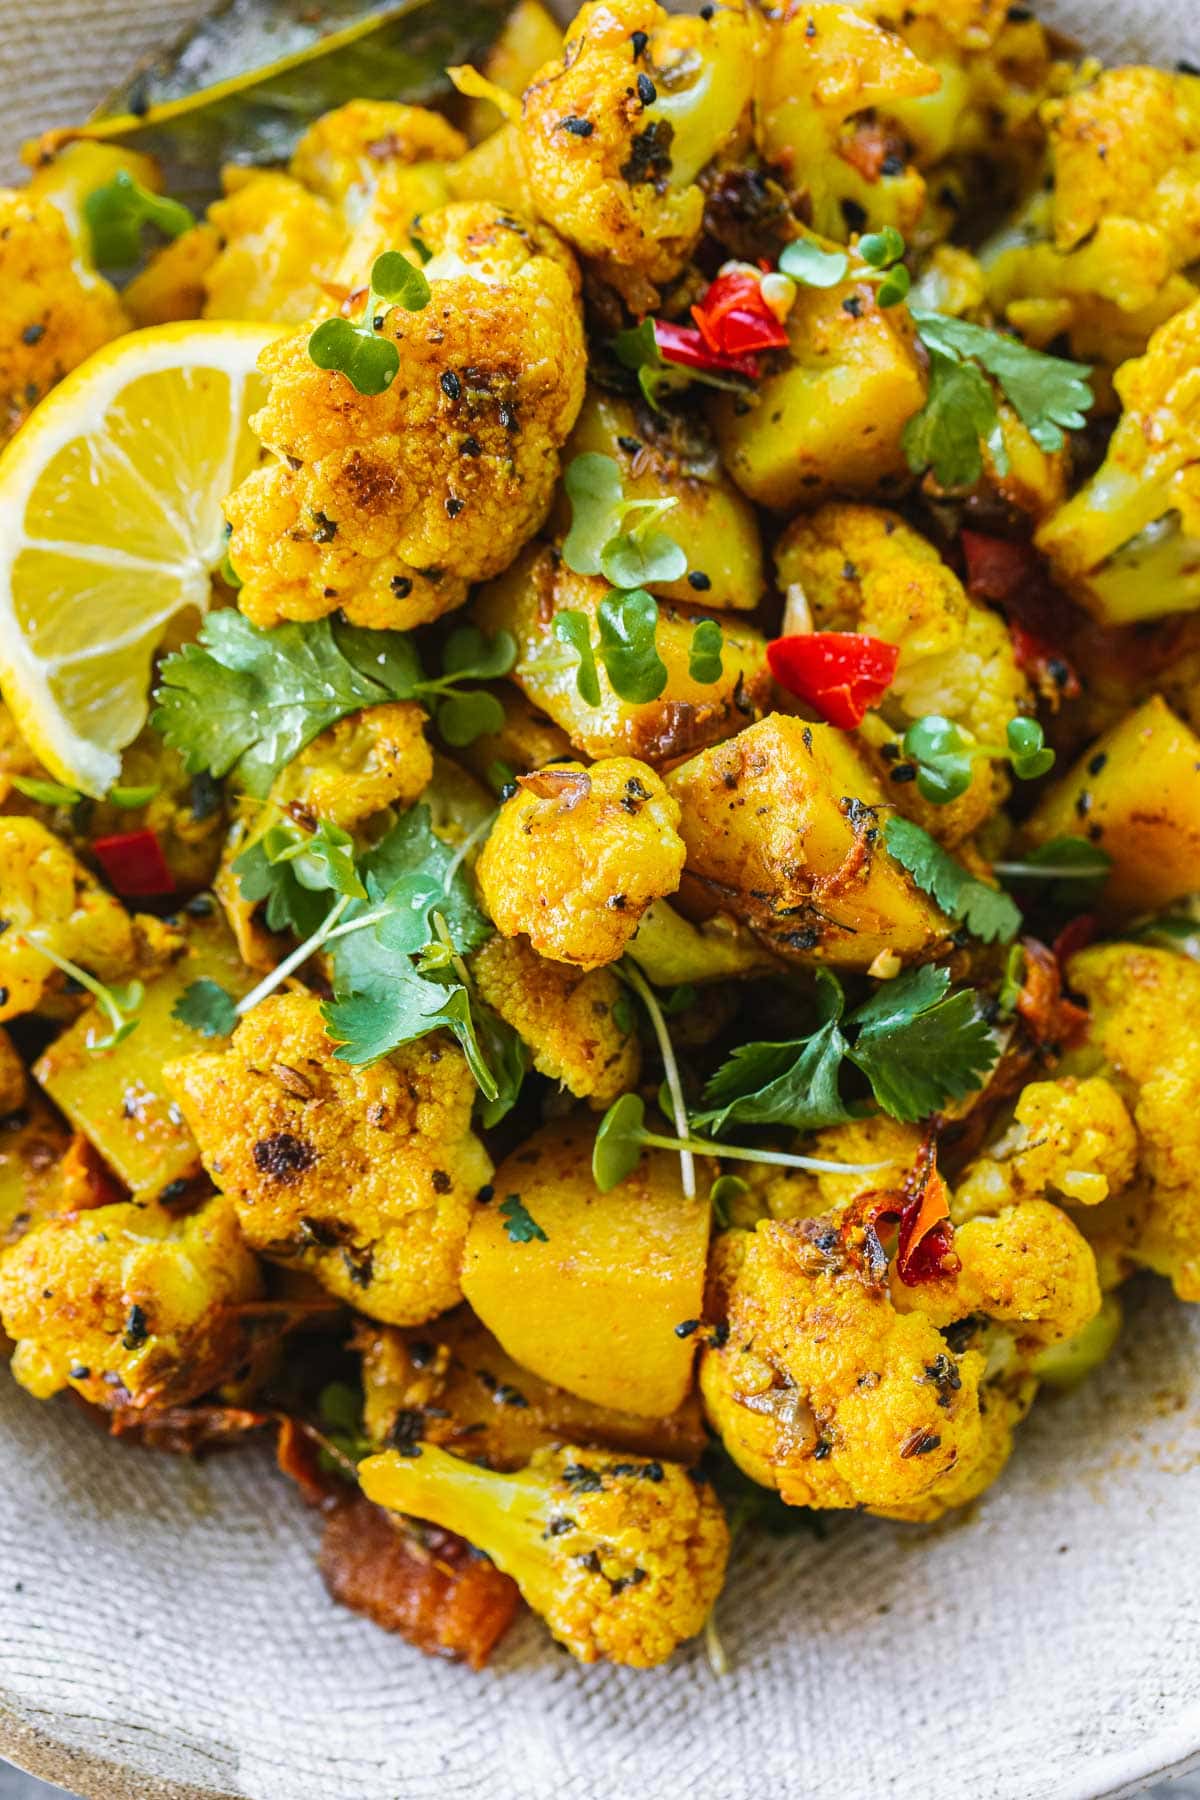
(110, 530)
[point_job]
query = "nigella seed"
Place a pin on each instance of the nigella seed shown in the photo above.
(469, 447)
(576, 126)
(686, 1327)
(136, 1329)
(454, 506)
(401, 586)
(33, 334)
(451, 385)
(647, 92)
(639, 40)
(699, 580)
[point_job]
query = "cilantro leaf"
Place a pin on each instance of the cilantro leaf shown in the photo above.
(385, 1011)
(207, 1007)
(1050, 394)
(944, 436)
(240, 698)
(988, 914)
(521, 1226)
(919, 1045)
(794, 1084)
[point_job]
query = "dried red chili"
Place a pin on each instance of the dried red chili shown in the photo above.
(134, 863)
(920, 1213)
(840, 673)
(1047, 1015)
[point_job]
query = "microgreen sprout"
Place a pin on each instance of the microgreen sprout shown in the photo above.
(613, 536)
(118, 1001)
(352, 347)
(805, 263)
(116, 213)
(945, 754)
(666, 1050)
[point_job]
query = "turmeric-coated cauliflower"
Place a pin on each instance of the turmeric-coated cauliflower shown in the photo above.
(861, 568)
(1127, 544)
(47, 897)
(54, 309)
(1070, 1138)
(1144, 1004)
(388, 506)
(623, 1559)
(577, 1029)
(577, 855)
(278, 244)
(127, 1304)
(614, 134)
(363, 1176)
(369, 760)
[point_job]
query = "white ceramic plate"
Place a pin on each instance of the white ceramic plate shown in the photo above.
(163, 1630)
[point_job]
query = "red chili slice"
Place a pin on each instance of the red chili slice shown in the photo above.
(134, 864)
(684, 345)
(840, 673)
(735, 320)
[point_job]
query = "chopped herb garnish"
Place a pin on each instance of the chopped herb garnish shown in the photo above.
(352, 347)
(987, 912)
(519, 1223)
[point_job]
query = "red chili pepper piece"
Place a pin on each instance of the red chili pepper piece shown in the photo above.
(840, 673)
(134, 864)
(1044, 1010)
(684, 345)
(735, 320)
(998, 568)
(1051, 673)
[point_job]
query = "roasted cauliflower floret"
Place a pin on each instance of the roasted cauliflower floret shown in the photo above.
(54, 309)
(363, 1176)
(826, 71)
(577, 1029)
(279, 243)
(577, 855)
(782, 830)
(47, 897)
(1127, 544)
(1070, 1138)
(1143, 1004)
(388, 506)
(614, 134)
(688, 714)
(349, 153)
(862, 569)
(126, 1304)
(622, 1559)
(367, 761)
(822, 1389)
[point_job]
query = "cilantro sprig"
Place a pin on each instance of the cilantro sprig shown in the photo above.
(1073, 869)
(919, 1044)
(988, 913)
(116, 213)
(945, 754)
(351, 346)
(1050, 395)
(247, 700)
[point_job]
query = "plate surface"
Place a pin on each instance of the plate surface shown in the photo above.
(164, 1633)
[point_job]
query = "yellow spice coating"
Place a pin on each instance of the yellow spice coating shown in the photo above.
(1070, 1138)
(623, 1560)
(400, 500)
(48, 897)
(577, 855)
(369, 760)
(568, 1018)
(13, 1083)
(345, 154)
(53, 311)
(823, 1389)
(610, 160)
(363, 1176)
(861, 568)
(126, 1304)
(278, 244)
(1143, 1005)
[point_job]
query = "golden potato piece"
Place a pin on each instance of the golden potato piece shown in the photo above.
(781, 828)
(48, 897)
(594, 1307)
(577, 855)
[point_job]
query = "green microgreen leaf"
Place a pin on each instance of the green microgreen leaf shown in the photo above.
(400, 282)
(130, 799)
(369, 363)
(704, 652)
(628, 625)
(519, 1223)
(617, 1150)
(574, 629)
(810, 266)
(118, 1001)
(46, 793)
(116, 214)
(945, 754)
(895, 286)
(630, 559)
(322, 859)
(469, 654)
(988, 913)
(724, 1191)
(464, 717)
(881, 248)
(1074, 869)
(593, 486)
(637, 349)
(207, 1007)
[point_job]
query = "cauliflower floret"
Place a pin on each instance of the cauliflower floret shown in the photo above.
(623, 1560)
(862, 569)
(1072, 1138)
(347, 154)
(577, 855)
(54, 310)
(1127, 544)
(369, 760)
(1144, 1004)
(614, 134)
(48, 897)
(278, 244)
(527, 599)
(126, 1304)
(363, 1176)
(822, 1389)
(570, 1020)
(826, 71)
(13, 1082)
(389, 505)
